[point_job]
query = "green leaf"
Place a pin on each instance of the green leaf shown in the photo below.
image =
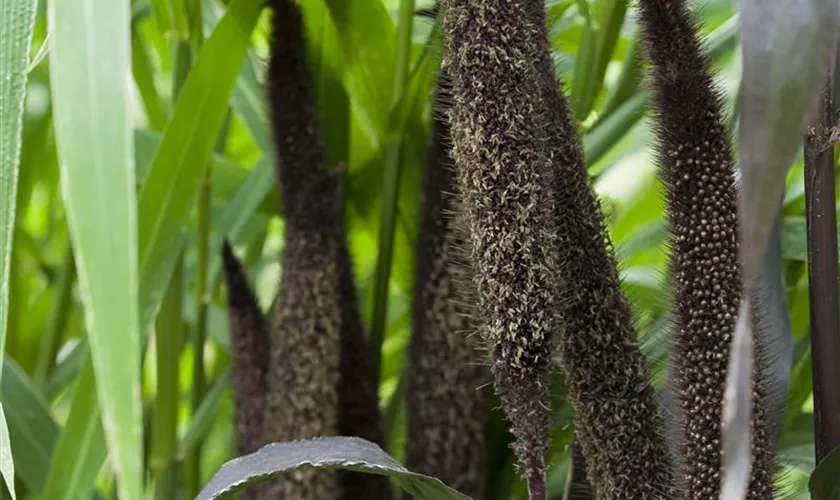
(228, 177)
(66, 371)
(32, 429)
(143, 71)
(7, 465)
(610, 16)
(172, 184)
(825, 481)
(17, 20)
(80, 451)
(241, 209)
(95, 148)
(168, 193)
(778, 92)
(367, 34)
(345, 453)
(171, 18)
(204, 418)
(585, 65)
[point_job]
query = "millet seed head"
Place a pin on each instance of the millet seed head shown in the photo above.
(696, 165)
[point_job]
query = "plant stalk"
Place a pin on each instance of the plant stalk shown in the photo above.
(390, 190)
(821, 220)
(168, 339)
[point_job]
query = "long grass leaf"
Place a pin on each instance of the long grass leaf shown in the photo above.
(390, 191)
(185, 149)
(164, 430)
(80, 452)
(171, 18)
(16, 24)
(17, 19)
(172, 184)
(143, 71)
(7, 465)
(367, 36)
(203, 419)
(89, 76)
(32, 430)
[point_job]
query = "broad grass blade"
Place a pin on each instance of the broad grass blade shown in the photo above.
(17, 20)
(185, 149)
(90, 78)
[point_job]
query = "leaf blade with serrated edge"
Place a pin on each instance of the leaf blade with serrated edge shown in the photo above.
(348, 453)
(17, 21)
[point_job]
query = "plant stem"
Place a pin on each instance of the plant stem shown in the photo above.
(199, 384)
(390, 190)
(58, 320)
(168, 338)
(577, 484)
(821, 222)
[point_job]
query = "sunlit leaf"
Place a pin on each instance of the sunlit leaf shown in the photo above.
(89, 81)
(172, 184)
(17, 19)
(80, 452)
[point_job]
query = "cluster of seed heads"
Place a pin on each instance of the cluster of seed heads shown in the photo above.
(508, 218)
(318, 378)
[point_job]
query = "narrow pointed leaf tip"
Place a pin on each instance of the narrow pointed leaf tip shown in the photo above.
(348, 453)
(737, 410)
(778, 91)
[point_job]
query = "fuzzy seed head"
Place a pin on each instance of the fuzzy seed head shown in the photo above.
(616, 420)
(446, 409)
(696, 165)
(504, 181)
(249, 350)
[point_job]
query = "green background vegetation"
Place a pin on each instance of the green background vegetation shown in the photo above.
(196, 103)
